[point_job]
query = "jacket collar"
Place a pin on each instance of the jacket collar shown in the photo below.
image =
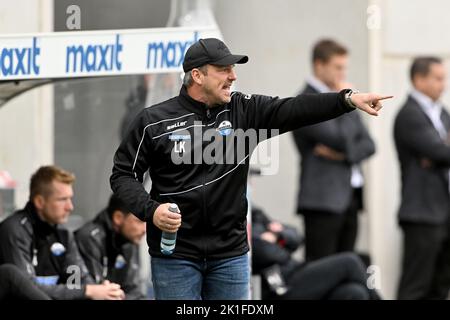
(196, 106)
(39, 225)
(426, 103)
(318, 85)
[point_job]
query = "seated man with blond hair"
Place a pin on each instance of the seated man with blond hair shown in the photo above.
(33, 240)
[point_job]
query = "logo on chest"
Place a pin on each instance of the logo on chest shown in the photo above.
(225, 128)
(57, 249)
(120, 262)
(176, 125)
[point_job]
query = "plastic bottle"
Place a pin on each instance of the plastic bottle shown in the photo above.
(169, 239)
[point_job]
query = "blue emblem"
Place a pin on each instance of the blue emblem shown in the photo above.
(225, 128)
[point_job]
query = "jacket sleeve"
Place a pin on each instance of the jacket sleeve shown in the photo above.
(263, 112)
(360, 145)
(266, 254)
(327, 133)
(132, 283)
(16, 246)
(131, 161)
(91, 253)
(421, 138)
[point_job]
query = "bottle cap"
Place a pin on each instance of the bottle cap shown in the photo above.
(173, 207)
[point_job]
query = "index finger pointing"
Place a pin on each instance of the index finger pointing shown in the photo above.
(384, 98)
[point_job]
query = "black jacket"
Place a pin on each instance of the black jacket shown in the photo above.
(109, 256)
(425, 191)
(211, 197)
(325, 185)
(265, 254)
(35, 247)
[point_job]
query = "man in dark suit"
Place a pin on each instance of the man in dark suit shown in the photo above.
(331, 180)
(421, 136)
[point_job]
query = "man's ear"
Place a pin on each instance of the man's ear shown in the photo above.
(118, 217)
(197, 76)
(39, 201)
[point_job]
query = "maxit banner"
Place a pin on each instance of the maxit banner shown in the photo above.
(97, 53)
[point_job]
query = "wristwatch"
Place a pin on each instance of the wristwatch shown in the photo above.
(348, 95)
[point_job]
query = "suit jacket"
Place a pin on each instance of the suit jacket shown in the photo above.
(425, 191)
(325, 185)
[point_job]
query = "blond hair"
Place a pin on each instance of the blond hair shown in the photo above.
(42, 179)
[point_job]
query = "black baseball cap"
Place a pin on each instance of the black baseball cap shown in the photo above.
(210, 51)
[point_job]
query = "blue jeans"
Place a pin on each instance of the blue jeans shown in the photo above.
(223, 279)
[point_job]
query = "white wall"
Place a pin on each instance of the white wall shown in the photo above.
(26, 122)
(407, 29)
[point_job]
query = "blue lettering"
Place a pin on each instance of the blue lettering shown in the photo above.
(170, 55)
(118, 50)
(36, 52)
(183, 48)
(90, 52)
(153, 47)
(29, 63)
(20, 55)
(75, 52)
(20, 61)
(7, 53)
(103, 64)
(94, 57)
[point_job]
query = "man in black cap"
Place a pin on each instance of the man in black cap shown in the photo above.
(183, 143)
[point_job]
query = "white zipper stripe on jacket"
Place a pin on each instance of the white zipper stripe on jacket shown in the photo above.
(207, 183)
(172, 193)
(227, 171)
(149, 125)
(210, 124)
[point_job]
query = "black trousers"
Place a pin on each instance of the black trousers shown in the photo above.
(16, 285)
(426, 262)
(327, 233)
(338, 277)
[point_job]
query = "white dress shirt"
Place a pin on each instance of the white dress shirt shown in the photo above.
(433, 109)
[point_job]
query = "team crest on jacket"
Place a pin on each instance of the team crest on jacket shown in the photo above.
(225, 128)
(57, 249)
(120, 262)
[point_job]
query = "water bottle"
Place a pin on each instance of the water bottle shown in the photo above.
(168, 239)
